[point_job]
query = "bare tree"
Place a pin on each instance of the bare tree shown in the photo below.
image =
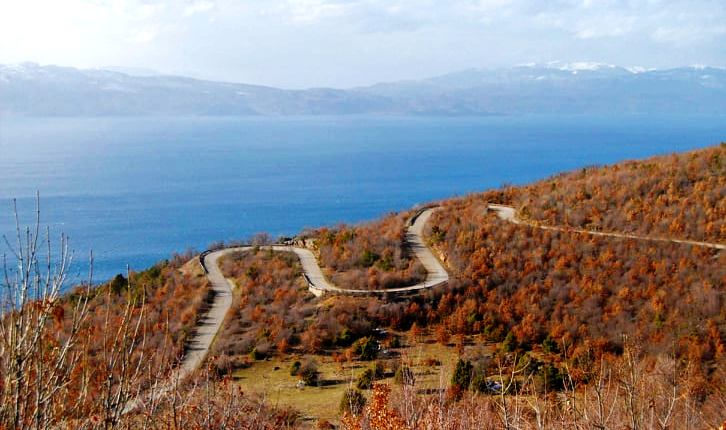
(604, 394)
(509, 409)
(36, 363)
(51, 374)
(123, 357)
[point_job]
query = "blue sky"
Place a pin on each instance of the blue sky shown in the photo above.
(345, 43)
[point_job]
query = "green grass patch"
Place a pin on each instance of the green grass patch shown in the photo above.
(431, 363)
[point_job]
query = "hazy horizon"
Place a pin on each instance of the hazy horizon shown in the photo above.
(349, 43)
(574, 66)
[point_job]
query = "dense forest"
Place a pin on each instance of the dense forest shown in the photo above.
(576, 331)
(681, 195)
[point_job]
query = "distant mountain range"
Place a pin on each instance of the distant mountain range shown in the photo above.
(34, 90)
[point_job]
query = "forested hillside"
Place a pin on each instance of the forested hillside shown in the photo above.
(369, 255)
(681, 196)
(559, 309)
(536, 328)
(572, 300)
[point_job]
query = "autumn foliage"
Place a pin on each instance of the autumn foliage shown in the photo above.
(574, 324)
(369, 255)
(680, 195)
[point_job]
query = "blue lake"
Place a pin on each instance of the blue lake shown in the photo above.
(137, 189)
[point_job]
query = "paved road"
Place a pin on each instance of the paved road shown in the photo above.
(206, 329)
(211, 321)
(508, 213)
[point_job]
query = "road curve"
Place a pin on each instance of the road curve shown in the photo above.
(211, 321)
(206, 328)
(508, 213)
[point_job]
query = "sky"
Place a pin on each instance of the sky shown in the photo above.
(347, 43)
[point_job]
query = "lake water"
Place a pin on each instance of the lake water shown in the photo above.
(137, 189)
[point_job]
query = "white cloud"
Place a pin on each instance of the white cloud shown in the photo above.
(313, 11)
(685, 35)
(349, 42)
(198, 7)
(148, 10)
(613, 26)
(145, 35)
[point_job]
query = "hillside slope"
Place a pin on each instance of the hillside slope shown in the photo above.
(527, 313)
(681, 196)
(569, 307)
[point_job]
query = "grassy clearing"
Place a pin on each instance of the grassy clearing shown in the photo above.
(280, 388)
(272, 378)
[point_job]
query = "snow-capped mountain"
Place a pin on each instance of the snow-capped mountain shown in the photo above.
(31, 89)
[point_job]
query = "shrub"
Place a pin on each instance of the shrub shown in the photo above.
(367, 348)
(454, 393)
(225, 364)
(437, 235)
(368, 258)
(352, 402)
(252, 272)
(257, 354)
(549, 345)
(510, 342)
(345, 337)
(295, 368)
(365, 379)
(379, 370)
(386, 263)
(549, 378)
(479, 383)
(324, 425)
(118, 283)
(404, 376)
(309, 373)
(462, 374)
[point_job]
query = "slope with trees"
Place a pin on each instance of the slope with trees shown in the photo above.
(369, 255)
(553, 329)
(681, 195)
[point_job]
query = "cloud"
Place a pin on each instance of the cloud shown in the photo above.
(685, 35)
(313, 11)
(145, 35)
(348, 42)
(198, 7)
(611, 26)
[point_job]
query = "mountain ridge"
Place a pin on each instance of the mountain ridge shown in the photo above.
(33, 90)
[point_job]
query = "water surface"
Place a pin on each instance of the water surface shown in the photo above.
(137, 189)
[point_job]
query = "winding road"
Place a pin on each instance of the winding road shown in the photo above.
(508, 213)
(210, 323)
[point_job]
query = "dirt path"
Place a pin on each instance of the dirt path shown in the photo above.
(508, 213)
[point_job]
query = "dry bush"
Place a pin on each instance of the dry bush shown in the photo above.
(206, 402)
(631, 391)
(370, 255)
(77, 359)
